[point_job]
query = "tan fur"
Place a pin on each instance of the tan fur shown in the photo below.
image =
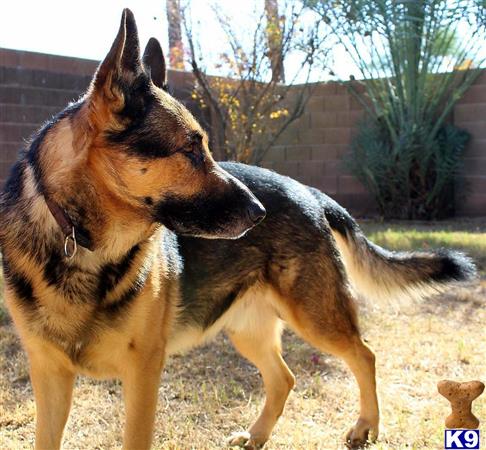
(128, 353)
(254, 324)
(76, 159)
(134, 349)
(66, 337)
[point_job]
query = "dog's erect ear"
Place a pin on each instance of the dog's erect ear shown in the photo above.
(123, 60)
(154, 62)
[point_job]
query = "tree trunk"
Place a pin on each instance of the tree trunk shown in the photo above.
(176, 47)
(274, 37)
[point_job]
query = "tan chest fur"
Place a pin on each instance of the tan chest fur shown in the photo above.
(102, 350)
(141, 335)
(81, 334)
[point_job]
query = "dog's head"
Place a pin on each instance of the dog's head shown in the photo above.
(149, 152)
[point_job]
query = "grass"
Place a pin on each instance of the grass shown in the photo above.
(211, 392)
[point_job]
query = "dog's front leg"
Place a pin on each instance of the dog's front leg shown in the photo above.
(140, 388)
(53, 387)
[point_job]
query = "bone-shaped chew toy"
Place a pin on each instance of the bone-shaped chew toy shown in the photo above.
(461, 396)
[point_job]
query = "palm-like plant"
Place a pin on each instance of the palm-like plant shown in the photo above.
(416, 59)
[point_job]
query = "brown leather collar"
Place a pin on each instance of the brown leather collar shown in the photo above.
(60, 216)
(73, 236)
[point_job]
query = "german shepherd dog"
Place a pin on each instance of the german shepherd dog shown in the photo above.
(124, 242)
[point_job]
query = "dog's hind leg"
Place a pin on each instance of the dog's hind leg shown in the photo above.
(361, 361)
(261, 346)
(328, 322)
(53, 386)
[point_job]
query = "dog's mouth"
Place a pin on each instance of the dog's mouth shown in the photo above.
(230, 232)
(212, 217)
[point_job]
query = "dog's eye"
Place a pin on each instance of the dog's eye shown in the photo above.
(194, 153)
(191, 148)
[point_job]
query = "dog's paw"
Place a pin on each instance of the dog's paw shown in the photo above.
(243, 439)
(361, 435)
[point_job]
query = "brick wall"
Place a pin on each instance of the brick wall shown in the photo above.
(34, 86)
(470, 114)
(312, 148)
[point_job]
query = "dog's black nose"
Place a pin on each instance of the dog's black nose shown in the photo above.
(256, 212)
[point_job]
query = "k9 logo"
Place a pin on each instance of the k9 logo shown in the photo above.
(461, 439)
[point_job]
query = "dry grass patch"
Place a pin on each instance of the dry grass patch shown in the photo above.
(211, 392)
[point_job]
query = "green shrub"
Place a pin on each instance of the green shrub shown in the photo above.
(408, 182)
(416, 59)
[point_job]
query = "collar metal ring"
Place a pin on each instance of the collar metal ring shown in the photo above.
(70, 245)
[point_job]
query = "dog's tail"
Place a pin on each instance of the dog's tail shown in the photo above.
(380, 274)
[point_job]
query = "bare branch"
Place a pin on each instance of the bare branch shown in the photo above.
(250, 104)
